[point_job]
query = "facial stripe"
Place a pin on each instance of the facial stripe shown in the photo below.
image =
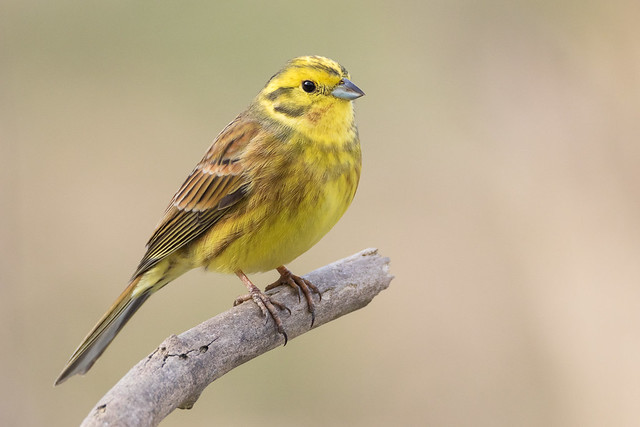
(272, 96)
(291, 110)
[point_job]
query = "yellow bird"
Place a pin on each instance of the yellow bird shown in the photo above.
(274, 181)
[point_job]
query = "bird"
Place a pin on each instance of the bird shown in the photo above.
(273, 182)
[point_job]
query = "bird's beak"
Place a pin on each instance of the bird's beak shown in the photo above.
(347, 90)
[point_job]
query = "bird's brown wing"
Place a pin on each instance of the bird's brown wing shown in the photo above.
(216, 184)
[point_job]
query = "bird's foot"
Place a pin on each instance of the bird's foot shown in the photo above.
(301, 285)
(266, 304)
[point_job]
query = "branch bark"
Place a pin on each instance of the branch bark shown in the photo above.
(175, 374)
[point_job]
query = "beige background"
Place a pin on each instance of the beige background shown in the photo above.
(501, 175)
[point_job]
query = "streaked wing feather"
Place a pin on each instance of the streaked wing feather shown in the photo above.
(213, 192)
(196, 181)
(214, 187)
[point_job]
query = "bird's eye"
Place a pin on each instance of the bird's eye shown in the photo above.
(308, 86)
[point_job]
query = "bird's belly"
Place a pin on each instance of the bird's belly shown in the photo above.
(268, 237)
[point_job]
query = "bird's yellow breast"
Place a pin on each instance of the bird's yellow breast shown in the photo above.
(291, 205)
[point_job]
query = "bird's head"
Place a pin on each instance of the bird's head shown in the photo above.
(310, 92)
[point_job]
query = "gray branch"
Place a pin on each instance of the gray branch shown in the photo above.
(175, 374)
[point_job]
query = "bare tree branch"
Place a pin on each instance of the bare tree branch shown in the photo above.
(175, 374)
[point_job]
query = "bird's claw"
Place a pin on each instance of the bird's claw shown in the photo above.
(267, 307)
(301, 285)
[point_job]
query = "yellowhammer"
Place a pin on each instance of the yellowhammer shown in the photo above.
(273, 182)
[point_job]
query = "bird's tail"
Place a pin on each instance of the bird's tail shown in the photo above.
(107, 328)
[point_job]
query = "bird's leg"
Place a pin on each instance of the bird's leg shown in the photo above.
(266, 304)
(301, 285)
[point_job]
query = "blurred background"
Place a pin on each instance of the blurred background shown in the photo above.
(501, 176)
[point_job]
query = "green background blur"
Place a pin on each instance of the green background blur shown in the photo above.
(501, 175)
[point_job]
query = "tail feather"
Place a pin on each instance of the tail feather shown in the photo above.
(106, 330)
